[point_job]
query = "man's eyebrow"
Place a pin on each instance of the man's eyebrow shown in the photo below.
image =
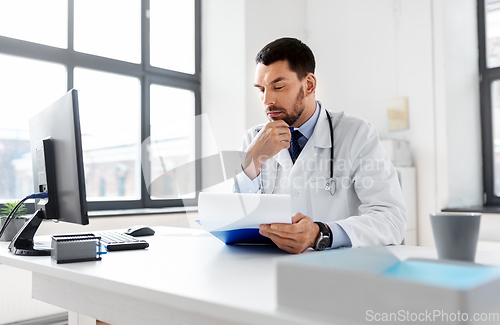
(272, 82)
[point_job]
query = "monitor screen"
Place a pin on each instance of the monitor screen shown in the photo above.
(56, 150)
(58, 126)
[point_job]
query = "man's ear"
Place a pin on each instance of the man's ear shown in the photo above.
(310, 87)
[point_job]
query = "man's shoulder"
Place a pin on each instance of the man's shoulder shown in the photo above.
(350, 129)
(346, 121)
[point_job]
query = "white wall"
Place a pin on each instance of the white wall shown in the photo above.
(456, 24)
(223, 71)
(266, 21)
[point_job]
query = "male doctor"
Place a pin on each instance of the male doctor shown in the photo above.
(353, 199)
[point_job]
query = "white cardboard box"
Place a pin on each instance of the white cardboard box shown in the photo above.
(399, 151)
(371, 285)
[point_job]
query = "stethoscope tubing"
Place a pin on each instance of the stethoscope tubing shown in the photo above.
(328, 186)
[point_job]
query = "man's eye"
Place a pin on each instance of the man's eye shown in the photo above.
(278, 88)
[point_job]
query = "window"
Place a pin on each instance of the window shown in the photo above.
(489, 67)
(136, 66)
(165, 19)
(172, 134)
(97, 22)
(26, 85)
(109, 116)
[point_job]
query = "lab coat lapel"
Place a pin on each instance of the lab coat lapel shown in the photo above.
(321, 134)
(284, 159)
(282, 162)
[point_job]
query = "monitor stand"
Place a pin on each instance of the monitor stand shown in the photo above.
(23, 244)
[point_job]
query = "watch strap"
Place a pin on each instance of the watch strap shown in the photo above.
(322, 228)
(324, 232)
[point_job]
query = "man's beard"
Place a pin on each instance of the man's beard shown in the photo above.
(297, 109)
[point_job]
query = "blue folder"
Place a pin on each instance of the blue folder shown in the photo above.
(248, 236)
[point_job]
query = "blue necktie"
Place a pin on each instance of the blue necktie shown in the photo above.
(295, 148)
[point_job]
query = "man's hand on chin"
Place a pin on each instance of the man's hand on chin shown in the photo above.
(273, 137)
(293, 238)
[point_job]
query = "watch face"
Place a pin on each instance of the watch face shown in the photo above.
(323, 243)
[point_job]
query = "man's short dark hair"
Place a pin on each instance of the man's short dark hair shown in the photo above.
(299, 56)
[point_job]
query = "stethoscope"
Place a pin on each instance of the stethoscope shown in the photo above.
(330, 185)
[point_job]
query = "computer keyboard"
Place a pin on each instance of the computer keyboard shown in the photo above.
(117, 241)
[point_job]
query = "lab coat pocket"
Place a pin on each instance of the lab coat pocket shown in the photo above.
(321, 192)
(323, 185)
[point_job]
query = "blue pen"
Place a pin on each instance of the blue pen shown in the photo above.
(291, 129)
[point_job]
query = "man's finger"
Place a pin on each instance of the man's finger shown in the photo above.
(268, 232)
(288, 249)
(283, 138)
(281, 241)
(297, 217)
(284, 227)
(292, 243)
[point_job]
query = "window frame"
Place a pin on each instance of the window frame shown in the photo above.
(487, 77)
(145, 73)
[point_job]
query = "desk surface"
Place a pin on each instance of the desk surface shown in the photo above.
(190, 271)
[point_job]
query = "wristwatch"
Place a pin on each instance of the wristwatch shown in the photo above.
(324, 239)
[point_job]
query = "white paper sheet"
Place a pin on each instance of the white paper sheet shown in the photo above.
(227, 211)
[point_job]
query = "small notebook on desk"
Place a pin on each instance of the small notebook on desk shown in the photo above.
(117, 241)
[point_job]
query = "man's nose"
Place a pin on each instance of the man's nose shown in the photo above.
(268, 98)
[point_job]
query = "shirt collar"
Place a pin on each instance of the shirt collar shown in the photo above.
(308, 127)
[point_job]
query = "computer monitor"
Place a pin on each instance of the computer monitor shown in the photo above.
(56, 151)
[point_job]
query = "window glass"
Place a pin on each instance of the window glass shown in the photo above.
(109, 28)
(43, 22)
(493, 33)
(27, 86)
(172, 37)
(111, 104)
(495, 110)
(172, 143)
(110, 122)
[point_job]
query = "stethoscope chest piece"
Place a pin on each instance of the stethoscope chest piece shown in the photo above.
(331, 186)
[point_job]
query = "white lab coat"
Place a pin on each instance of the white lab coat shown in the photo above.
(367, 204)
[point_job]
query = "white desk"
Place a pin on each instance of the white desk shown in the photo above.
(186, 276)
